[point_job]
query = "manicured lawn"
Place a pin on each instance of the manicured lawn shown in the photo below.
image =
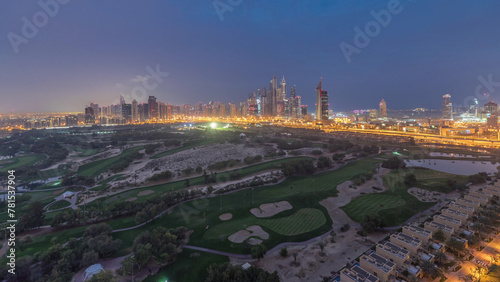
(303, 221)
(59, 205)
(18, 162)
(396, 205)
(185, 146)
(95, 168)
(306, 220)
(303, 192)
(371, 204)
(190, 266)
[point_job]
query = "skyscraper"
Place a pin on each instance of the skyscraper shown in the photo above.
(293, 103)
(383, 109)
(274, 99)
(127, 112)
(447, 107)
(321, 102)
(153, 107)
(135, 111)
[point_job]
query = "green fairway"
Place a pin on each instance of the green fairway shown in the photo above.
(371, 204)
(59, 205)
(303, 221)
(89, 152)
(396, 205)
(18, 162)
(189, 266)
(299, 191)
(185, 146)
(95, 168)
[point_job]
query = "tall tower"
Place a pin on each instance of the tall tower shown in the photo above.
(447, 107)
(383, 109)
(321, 102)
(153, 107)
(135, 111)
(293, 102)
(274, 95)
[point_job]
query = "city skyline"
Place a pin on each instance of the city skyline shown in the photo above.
(414, 58)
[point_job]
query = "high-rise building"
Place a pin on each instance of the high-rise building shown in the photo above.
(89, 115)
(273, 88)
(96, 109)
(162, 111)
(491, 108)
(303, 110)
(122, 100)
(135, 111)
(383, 109)
(153, 107)
(321, 102)
(447, 107)
(298, 106)
(71, 120)
(127, 112)
(293, 100)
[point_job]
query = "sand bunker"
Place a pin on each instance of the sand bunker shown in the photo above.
(131, 199)
(425, 195)
(267, 210)
(226, 216)
(254, 241)
(251, 231)
(144, 193)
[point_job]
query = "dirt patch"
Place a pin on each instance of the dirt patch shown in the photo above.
(226, 216)
(425, 196)
(270, 209)
(131, 199)
(144, 193)
(251, 231)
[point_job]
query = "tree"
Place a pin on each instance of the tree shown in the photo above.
(332, 236)
(258, 251)
(89, 258)
(284, 252)
(186, 183)
(410, 179)
(321, 245)
(372, 223)
(440, 258)
(456, 246)
(104, 276)
(439, 235)
(430, 270)
(295, 258)
(394, 163)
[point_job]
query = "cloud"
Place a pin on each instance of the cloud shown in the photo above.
(139, 78)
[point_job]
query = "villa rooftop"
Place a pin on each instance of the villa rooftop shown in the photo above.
(379, 262)
(395, 250)
(407, 239)
(358, 274)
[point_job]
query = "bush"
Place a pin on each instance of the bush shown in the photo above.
(284, 252)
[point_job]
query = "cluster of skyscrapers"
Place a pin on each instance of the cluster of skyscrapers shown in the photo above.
(271, 102)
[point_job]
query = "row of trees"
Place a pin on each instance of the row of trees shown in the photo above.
(60, 263)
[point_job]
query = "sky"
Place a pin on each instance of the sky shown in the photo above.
(91, 51)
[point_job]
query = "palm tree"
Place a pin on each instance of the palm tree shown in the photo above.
(430, 269)
(440, 258)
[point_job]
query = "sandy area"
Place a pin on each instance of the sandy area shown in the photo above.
(425, 195)
(254, 241)
(131, 199)
(314, 265)
(226, 216)
(270, 209)
(144, 193)
(251, 231)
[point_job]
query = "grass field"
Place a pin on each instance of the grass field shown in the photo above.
(396, 205)
(18, 162)
(306, 220)
(303, 192)
(59, 205)
(95, 168)
(185, 146)
(189, 266)
(178, 185)
(89, 152)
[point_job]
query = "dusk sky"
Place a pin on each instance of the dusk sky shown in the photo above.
(91, 51)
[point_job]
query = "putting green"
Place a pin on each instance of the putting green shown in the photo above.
(303, 221)
(371, 204)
